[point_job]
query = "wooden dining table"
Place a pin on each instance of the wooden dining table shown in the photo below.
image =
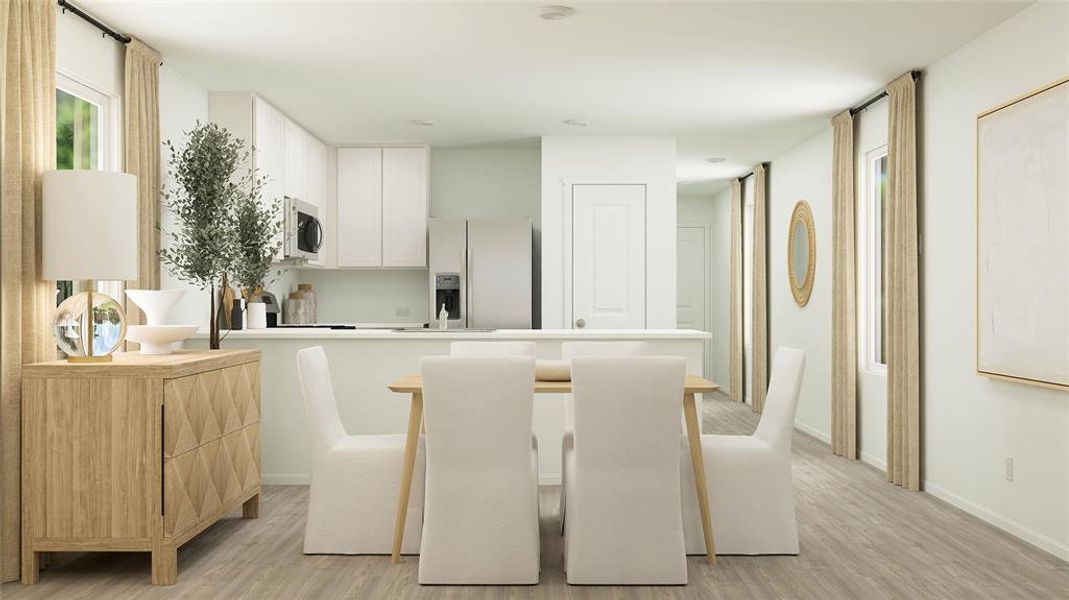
(693, 384)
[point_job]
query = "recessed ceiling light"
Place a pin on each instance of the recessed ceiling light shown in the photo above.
(555, 12)
(715, 159)
(424, 122)
(577, 122)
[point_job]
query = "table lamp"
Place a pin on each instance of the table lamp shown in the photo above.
(89, 231)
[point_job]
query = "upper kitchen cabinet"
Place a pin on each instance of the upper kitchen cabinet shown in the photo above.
(292, 162)
(382, 206)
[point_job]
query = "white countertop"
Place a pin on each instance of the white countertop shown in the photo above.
(274, 333)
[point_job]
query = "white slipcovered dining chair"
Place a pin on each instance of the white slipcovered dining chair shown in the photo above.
(353, 498)
(624, 523)
(751, 497)
(481, 509)
(482, 349)
(570, 350)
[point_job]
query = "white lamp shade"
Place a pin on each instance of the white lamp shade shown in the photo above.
(89, 225)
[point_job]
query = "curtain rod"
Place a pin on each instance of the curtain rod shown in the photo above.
(766, 164)
(122, 39)
(874, 99)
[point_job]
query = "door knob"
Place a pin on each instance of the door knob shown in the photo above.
(580, 323)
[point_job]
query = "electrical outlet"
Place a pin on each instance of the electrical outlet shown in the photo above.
(1009, 468)
(402, 311)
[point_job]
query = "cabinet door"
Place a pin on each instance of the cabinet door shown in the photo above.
(359, 225)
(269, 157)
(404, 207)
(295, 152)
(316, 188)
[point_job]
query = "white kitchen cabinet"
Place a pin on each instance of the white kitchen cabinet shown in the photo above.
(316, 192)
(404, 207)
(359, 224)
(291, 161)
(382, 207)
(269, 158)
(295, 146)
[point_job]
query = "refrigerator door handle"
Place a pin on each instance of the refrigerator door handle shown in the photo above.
(469, 286)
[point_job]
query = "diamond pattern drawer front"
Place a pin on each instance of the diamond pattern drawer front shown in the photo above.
(203, 482)
(203, 407)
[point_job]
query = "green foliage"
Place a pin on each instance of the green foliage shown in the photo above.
(222, 224)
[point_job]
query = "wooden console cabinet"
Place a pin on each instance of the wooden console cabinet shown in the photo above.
(140, 454)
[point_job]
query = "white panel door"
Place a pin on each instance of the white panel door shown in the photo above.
(608, 275)
(692, 298)
(404, 207)
(359, 227)
(269, 157)
(690, 278)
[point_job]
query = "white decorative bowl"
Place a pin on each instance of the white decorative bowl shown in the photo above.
(154, 303)
(157, 339)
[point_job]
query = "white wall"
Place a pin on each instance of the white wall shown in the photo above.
(465, 183)
(182, 103)
(84, 54)
(714, 211)
(971, 423)
(803, 173)
(648, 159)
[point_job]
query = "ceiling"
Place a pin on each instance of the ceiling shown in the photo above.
(745, 81)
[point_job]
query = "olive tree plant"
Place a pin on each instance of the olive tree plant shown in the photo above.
(221, 226)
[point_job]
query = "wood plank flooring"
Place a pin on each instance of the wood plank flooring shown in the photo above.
(860, 538)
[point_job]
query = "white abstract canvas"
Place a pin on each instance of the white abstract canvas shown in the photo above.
(1023, 238)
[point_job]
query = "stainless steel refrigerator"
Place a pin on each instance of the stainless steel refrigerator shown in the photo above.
(480, 270)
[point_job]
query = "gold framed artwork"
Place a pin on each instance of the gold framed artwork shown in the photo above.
(801, 253)
(1022, 238)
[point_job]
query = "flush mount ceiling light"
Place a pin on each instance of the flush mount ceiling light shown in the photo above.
(715, 159)
(577, 122)
(424, 122)
(555, 12)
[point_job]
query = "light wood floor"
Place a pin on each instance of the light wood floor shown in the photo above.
(860, 538)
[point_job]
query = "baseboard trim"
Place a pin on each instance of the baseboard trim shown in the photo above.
(874, 460)
(286, 478)
(813, 432)
(996, 520)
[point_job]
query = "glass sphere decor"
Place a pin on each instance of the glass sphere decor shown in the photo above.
(72, 335)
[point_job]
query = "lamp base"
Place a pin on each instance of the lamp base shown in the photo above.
(103, 358)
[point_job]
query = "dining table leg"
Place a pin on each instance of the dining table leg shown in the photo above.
(415, 422)
(694, 438)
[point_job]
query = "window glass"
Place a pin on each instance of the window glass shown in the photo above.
(875, 259)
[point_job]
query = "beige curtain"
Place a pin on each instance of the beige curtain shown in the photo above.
(903, 337)
(736, 385)
(27, 149)
(142, 134)
(843, 291)
(759, 348)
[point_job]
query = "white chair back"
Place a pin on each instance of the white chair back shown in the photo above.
(777, 419)
(481, 509)
(570, 350)
(484, 349)
(623, 523)
(627, 412)
(324, 424)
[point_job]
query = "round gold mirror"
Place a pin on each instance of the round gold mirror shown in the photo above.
(801, 253)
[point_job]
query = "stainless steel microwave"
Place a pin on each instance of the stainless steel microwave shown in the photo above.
(303, 233)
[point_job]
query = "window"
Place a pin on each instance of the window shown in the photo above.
(873, 280)
(86, 119)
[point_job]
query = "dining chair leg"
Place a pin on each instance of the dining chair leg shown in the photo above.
(415, 421)
(690, 414)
